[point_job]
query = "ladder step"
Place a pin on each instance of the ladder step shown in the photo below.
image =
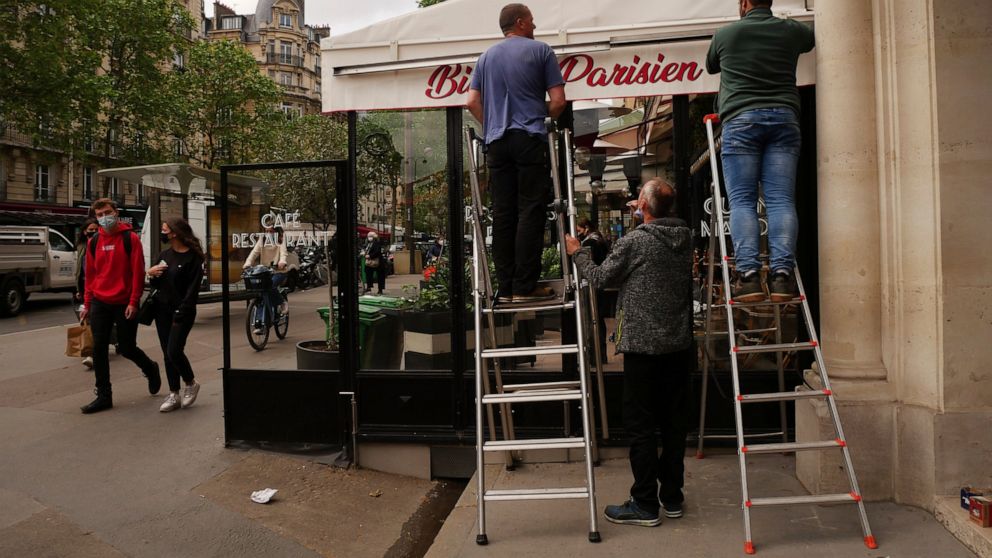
(536, 494)
(783, 396)
(533, 396)
(531, 351)
(534, 444)
(793, 446)
(745, 331)
(541, 386)
(775, 347)
(809, 499)
(510, 307)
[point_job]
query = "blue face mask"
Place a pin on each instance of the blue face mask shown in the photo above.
(638, 214)
(107, 221)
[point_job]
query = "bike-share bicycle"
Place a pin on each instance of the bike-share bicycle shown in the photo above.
(264, 312)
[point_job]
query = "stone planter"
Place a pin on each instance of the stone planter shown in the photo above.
(427, 340)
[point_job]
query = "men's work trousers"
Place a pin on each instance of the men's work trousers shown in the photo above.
(521, 190)
(655, 396)
(172, 335)
(102, 319)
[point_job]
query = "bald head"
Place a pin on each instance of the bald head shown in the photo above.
(658, 196)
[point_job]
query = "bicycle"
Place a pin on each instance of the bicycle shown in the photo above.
(262, 314)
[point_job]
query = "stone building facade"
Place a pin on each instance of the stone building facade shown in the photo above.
(287, 50)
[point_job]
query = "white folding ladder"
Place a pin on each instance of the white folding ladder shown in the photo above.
(743, 449)
(572, 297)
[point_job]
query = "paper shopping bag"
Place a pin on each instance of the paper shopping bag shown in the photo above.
(78, 341)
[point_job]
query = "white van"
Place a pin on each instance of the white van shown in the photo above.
(33, 260)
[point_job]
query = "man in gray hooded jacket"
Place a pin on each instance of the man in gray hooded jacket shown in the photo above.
(652, 266)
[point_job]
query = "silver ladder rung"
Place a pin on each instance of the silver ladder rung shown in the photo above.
(536, 494)
(849, 498)
(534, 444)
(745, 331)
(775, 347)
(531, 351)
(532, 396)
(792, 446)
(512, 307)
(734, 436)
(784, 396)
(541, 386)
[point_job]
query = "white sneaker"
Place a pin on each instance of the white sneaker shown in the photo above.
(171, 403)
(258, 331)
(189, 393)
(88, 362)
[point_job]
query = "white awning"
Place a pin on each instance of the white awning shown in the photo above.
(607, 49)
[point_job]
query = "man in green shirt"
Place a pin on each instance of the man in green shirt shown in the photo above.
(759, 108)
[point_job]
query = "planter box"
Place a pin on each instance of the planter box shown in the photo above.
(427, 340)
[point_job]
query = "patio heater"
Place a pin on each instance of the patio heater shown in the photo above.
(632, 172)
(596, 166)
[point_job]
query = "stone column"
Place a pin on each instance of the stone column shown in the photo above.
(848, 191)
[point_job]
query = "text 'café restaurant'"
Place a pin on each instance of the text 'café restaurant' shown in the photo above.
(890, 173)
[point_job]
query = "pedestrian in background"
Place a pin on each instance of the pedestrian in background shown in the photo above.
(590, 236)
(375, 266)
(507, 95)
(115, 279)
(652, 265)
(89, 229)
(177, 279)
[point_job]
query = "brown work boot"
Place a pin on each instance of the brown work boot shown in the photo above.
(537, 295)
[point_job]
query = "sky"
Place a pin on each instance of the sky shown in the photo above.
(341, 15)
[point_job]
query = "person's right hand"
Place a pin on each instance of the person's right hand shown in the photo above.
(572, 244)
(83, 314)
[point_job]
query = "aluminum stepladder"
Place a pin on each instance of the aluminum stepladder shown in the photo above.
(506, 394)
(744, 450)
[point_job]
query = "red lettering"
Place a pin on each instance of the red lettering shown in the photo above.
(619, 73)
(668, 74)
(642, 75)
(692, 68)
(656, 68)
(597, 78)
(442, 83)
(569, 63)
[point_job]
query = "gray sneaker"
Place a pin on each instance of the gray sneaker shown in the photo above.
(171, 403)
(189, 393)
(629, 513)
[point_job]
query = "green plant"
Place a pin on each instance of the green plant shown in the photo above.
(551, 263)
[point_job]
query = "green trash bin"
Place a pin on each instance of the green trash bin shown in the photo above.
(368, 317)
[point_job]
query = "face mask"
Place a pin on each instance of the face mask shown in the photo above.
(164, 237)
(107, 221)
(91, 234)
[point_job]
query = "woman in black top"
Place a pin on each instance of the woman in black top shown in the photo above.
(177, 280)
(375, 264)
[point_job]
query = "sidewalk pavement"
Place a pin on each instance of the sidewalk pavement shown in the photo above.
(712, 526)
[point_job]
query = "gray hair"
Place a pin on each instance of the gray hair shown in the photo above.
(659, 195)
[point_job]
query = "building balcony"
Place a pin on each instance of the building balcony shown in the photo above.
(285, 59)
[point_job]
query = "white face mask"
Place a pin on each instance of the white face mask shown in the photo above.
(107, 221)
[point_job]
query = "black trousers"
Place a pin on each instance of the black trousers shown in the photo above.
(172, 335)
(521, 190)
(370, 276)
(655, 395)
(103, 317)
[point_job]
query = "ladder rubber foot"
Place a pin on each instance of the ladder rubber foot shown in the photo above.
(748, 547)
(870, 541)
(481, 540)
(699, 455)
(594, 537)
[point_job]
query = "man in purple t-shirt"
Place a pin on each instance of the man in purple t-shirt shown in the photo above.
(507, 96)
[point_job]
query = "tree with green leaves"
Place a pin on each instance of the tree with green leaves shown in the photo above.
(226, 110)
(425, 3)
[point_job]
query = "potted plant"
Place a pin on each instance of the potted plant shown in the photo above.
(321, 354)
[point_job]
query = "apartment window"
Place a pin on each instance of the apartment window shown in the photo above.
(88, 183)
(113, 143)
(177, 147)
(179, 60)
(316, 88)
(291, 111)
(140, 194)
(285, 20)
(285, 52)
(115, 189)
(285, 78)
(41, 183)
(230, 22)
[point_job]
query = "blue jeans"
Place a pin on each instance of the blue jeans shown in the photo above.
(762, 146)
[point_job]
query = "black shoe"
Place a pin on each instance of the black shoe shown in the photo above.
(503, 297)
(154, 380)
(629, 513)
(104, 400)
(748, 287)
(537, 295)
(673, 511)
(782, 286)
